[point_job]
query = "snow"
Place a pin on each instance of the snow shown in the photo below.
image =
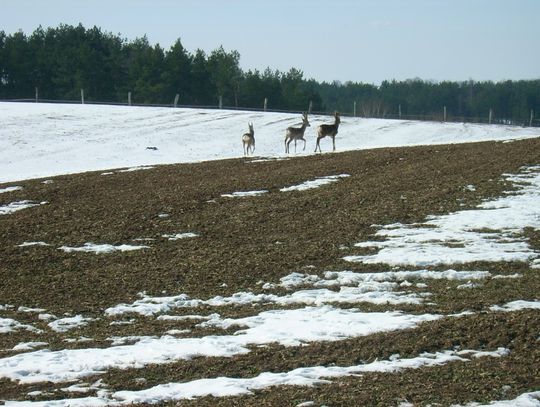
(531, 399)
(316, 183)
(10, 189)
(69, 323)
(228, 386)
(243, 194)
(375, 293)
(517, 305)
(30, 244)
(42, 140)
(102, 248)
(26, 346)
(17, 206)
(284, 327)
(335, 278)
(491, 232)
(8, 325)
(179, 236)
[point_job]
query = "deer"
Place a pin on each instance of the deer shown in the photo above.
(248, 140)
(296, 133)
(328, 130)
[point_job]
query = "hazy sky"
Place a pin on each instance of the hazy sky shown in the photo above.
(361, 41)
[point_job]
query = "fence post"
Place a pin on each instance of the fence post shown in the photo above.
(531, 119)
(82, 96)
(490, 115)
(265, 104)
(37, 94)
(444, 115)
(176, 100)
(129, 98)
(220, 102)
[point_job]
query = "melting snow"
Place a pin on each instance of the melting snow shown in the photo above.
(284, 327)
(489, 233)
(26, 346)
(17, 206)
(102, 248)
(9, 189)
(531, 399)
(9, 325)
(243, 194)
(316, 183)
(66, 324)
(517, 305)
(305, 376)
(30, 244)
(179, 236)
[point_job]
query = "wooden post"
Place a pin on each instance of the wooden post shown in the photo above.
(82, 96)
(444, 115)
(399, 111)
(176, 100)
(490, 115)
(37, 94)
(310, 106)
(129, 98)
(354, 108)
(265, 104)
(531, 119)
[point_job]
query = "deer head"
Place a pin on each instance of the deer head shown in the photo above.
(305, 120)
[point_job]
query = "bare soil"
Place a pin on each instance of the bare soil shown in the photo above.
(244, 241)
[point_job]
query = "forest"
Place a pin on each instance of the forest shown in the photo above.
(56, 63)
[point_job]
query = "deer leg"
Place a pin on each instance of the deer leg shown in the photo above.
(317, 145)
(295, 146)
(286, 146)
(334, 142)
(288, 149)
(304, 144)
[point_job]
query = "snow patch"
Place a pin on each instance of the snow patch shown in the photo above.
(491, 232)
(284, 327)
(517, 305)
(10, 189)
(243, 194)
(316, 183)
(102, 248)
(69, 323)
(305, 376)
(179, 236)
(17, 206)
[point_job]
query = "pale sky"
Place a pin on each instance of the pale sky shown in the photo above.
(360, 41)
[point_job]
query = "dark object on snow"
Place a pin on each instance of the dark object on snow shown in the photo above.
(151, 148)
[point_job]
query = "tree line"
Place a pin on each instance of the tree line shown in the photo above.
(63, 60)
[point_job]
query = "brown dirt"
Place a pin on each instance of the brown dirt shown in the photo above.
(244, 241)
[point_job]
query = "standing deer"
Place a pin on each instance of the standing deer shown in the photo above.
(248, 140)
(296, 133)
(328, 130)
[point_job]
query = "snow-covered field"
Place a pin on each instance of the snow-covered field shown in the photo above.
(40, 140)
